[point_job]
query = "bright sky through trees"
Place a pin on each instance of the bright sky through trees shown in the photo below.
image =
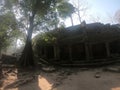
(99, 10)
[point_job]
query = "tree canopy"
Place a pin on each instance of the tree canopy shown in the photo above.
(35, 15)
(8, 29)
(32, 15)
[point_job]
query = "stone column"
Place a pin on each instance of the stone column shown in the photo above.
(56, 52)
(45, 52)
(107, 49)
(91, 51)
(70, 52)
(87, 51)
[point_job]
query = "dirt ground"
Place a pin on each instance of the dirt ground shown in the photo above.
(62, 79)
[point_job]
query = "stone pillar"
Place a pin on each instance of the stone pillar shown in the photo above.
(91, 51)
(70, 52)
(107, 49)
(45, 52)
(87, 51)
(56, 52)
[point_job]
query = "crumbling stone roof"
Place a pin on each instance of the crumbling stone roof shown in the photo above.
(90, 33)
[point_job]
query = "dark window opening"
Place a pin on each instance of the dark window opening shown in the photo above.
(78, 51)
(64, 52)
(99, 51)
(115, 48)
(50, 52)
(42, 51)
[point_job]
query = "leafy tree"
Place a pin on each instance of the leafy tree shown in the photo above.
(32, 14)
(66, 11)
(61, 10)
(8, 29)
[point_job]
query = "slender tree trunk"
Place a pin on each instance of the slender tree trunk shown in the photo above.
(71, 20)
(79, 17)
(56, 23)
(26, 59)
(15, 47)
(55, 15)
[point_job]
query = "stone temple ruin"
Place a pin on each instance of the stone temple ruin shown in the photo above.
(95, 42)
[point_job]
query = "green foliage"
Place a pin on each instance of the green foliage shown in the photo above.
(47, 13)
(49, 38)
(41, 40)
(65, 9)
(61, 10)
(36, 6)
(33, 14)
(10, 3)
(45, 38)
(8, 29)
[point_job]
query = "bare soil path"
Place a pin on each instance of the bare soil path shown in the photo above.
(63, 79)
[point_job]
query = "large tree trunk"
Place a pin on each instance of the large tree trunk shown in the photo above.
(26, 59)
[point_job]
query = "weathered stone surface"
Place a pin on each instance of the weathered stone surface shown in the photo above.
(7, 59)
(112, 69)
